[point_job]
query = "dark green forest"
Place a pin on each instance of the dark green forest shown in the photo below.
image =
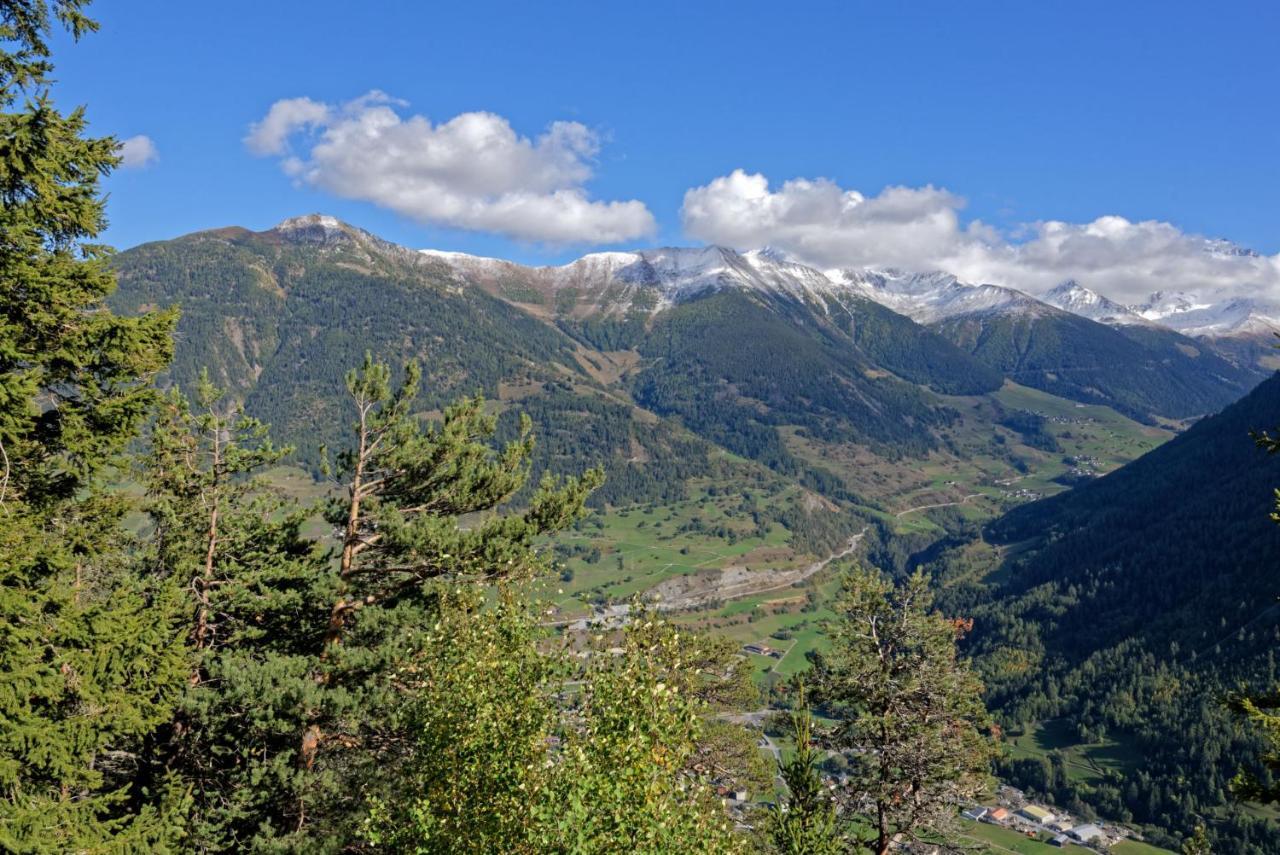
(1139, 371)
(1131, 607)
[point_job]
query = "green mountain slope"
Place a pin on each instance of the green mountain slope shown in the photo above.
(1128, 607)
(1143, 372)
(280, 316)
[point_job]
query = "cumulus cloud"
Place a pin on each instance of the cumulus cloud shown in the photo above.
(471, 172)
(921, 228)
(271, 134)
(137, 152)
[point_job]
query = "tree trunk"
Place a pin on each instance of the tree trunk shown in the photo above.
(337, 615)
(211, 550)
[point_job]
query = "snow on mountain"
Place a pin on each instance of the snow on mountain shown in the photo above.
(673, 274)
(1073, 297)
(1162, 304)
(614, 281)
(1211, 315)
(1236, 316)
(929, 297)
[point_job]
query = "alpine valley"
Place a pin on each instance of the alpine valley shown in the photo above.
(812, 453)
(763, 424)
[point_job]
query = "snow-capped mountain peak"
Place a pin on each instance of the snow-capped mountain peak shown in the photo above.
(935, 296)
(1073, 297)
(1161, 304)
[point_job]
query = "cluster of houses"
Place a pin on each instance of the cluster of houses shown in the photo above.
(1082, 466)
(1066, 420)
(1024, 494)
(1012, 810)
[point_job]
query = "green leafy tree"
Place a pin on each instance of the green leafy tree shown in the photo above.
(911, 717)
(481, 719)
(254, 618)
(90, 663)
(1197, 843)
(628, 776)
(804, 823)
(521, 747)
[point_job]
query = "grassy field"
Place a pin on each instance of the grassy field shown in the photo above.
(1005, 840)
(1136, 847)
(790, 621)
(1083, 762)
(987, 468)
(624, 552)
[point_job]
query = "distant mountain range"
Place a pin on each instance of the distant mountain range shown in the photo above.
(650, 351)
(1072, 343)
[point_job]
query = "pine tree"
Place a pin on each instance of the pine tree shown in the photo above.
(910, 712)
(252, 582)
(421, 521)
(804, 823)
(90, 663)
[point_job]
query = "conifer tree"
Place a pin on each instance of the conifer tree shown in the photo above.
(910, 712)
(421, 522)
(90, 663)
(252, 583)
(1262, 709)
(804, 823)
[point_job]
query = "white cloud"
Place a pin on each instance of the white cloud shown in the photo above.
(270, 136)
(922, 229)
(137, 152)
(471, 172)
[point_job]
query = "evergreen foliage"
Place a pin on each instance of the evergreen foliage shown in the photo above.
(910, 717)
(256, 590)
(1262, 710)
(805, 822)
(1131, 606)
(89, 662)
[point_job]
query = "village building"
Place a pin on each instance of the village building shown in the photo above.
(1088, 833)
(1035, 813)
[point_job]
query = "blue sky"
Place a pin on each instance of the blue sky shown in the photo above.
(1027, 111)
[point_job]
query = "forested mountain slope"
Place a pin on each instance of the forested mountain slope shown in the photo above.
(1130, 605)
(280, 316)
(1141, 371)
(619, 361)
